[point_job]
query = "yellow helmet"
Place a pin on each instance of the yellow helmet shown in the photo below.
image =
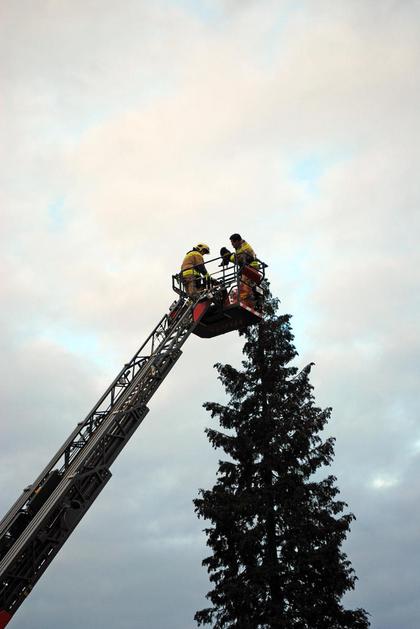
(202, 248)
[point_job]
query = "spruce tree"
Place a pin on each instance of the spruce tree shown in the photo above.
(275, 531)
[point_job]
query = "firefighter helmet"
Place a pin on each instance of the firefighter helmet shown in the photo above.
(202, 248)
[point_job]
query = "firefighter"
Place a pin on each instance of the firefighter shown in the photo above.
(244, 255)
(193, 269)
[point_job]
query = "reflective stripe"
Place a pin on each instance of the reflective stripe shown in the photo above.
(190, 272)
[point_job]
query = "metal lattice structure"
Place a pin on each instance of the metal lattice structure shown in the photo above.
(38, 524)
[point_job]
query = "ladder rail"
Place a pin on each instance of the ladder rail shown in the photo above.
(128, 407)
(130, 369)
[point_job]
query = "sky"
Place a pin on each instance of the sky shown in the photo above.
(130, 131)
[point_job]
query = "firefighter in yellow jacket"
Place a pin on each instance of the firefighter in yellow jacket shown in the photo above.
(193, 269)
(243, 255)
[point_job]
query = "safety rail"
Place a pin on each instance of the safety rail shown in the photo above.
(226, 277)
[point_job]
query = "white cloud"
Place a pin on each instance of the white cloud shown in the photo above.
(133, 132)
(384, 482)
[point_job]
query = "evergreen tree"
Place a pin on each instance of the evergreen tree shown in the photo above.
(276, 531)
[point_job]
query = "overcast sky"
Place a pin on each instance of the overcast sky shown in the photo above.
(132, 130)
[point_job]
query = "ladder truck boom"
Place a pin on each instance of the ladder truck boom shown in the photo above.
(38, 524)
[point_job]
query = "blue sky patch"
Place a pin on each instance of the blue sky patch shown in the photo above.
(56, 214)
(206, 11)
(75, 342)
(308, 170)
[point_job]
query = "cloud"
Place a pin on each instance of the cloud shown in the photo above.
(132, 133)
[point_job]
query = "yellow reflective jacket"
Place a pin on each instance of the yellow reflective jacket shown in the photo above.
(245, 255)
(192, 260)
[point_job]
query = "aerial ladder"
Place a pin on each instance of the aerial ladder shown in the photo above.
(44, 516)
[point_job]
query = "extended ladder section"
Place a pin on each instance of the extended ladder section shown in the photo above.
(38, 524)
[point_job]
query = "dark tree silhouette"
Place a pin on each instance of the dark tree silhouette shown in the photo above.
(275, 530)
